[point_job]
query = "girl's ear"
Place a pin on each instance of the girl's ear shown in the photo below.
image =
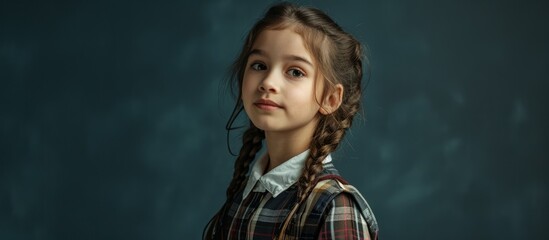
(332, 101)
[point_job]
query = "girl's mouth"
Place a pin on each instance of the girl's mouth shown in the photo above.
(266, 104)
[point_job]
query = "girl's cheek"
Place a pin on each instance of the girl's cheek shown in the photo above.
(247, 88)
(299, 95)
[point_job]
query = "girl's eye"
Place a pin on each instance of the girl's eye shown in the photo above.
(258, 66)
(296, 73)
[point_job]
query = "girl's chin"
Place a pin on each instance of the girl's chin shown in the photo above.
(267, 126)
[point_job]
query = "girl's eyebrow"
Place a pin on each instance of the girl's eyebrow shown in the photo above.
(260, 52)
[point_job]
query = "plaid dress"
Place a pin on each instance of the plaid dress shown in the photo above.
(333, 210)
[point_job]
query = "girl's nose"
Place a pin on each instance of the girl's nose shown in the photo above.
(269, 83)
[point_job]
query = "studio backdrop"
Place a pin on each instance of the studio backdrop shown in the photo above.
(112, 116)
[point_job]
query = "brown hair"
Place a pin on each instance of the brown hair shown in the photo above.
(339, 58)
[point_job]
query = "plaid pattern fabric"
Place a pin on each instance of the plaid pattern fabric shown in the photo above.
(340, 210)
(343, 221)
(332, 211)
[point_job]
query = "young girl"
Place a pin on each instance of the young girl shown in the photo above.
(299, 78)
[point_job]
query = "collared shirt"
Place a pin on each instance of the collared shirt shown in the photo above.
(280, 178)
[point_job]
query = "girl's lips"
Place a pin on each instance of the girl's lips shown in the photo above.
(266, 104)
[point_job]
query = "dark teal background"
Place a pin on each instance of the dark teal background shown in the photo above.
(112, 116)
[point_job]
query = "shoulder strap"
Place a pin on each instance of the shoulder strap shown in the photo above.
(367, 213)
(335, 185)
(331, 176)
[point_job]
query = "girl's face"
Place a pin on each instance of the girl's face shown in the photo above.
(278, 89)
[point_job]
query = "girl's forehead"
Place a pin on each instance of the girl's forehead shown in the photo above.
(281, 42)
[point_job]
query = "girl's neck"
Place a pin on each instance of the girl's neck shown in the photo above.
(281, 146)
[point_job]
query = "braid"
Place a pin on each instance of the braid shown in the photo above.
(251, 144)
(332, 128)
(323, 143)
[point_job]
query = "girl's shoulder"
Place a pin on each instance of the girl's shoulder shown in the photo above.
(328, 186)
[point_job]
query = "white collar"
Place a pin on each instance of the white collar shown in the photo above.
(279, 178)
